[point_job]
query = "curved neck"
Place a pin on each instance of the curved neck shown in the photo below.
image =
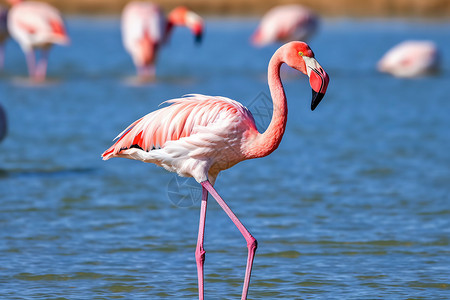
(265, 143)
(167, 31)
(175, 18)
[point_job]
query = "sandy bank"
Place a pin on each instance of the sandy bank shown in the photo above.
(348, 8)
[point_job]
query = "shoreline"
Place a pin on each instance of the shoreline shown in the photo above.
(339, 8)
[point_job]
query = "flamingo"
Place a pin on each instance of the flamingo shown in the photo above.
(181, 16)
(3, 33)
(410, 59)
(198, 136)
(36, 25)
(3, 124)
(145, 29)
(285, 23)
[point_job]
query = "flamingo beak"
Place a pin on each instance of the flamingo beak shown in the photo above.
(195, 23)
(198, 38)
(318, 79)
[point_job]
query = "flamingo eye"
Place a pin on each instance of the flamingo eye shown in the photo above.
(300, 53)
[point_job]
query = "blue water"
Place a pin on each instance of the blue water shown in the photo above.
(354, 204)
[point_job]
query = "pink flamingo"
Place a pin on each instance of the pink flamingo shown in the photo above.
(36, 25)
(145, 29)
(199, 136)
(3, 33)
(410, 59)
(285, 23)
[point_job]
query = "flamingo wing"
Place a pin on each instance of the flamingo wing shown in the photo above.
(183, 118)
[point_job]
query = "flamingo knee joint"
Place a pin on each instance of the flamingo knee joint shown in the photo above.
(200, 254)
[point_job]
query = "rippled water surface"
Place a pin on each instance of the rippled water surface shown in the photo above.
(354, 204)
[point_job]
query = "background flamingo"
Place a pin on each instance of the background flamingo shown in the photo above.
(199, 136)
(410, 59)
(286, 23)
(145, 29)
(3, 33)
(3, 124)
(36, 25)
(181, 16)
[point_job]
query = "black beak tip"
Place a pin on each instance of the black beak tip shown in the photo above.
(198, 38)
(316, 98)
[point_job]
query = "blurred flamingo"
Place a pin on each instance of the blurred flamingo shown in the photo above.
(285, 23)
(36, 25)
(3, 124)
(410, 59)
(181, 16)
(145, 29)
(198, 136)
(3, 33)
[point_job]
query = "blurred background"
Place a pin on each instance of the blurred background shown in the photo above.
(353, 8)
(354, 204)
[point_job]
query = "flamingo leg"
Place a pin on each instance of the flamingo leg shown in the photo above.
(2, 56)
(199, 251)
(146, 72)
(29, 55)
(41, 68)
(251, 241)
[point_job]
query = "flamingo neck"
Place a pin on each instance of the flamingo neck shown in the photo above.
(167, 32)
(265, 143)
(177, 17)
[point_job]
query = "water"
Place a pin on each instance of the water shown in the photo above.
(353, 205)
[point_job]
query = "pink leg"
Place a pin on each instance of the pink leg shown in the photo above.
(200, 252)
(2, 55)
(41, 68)
(146, 72)
(251, 241)
(29, 55)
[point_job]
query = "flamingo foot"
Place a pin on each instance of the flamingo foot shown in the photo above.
(146, 73)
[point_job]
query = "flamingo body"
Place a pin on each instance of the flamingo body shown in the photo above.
(143, 25)
(286, 23)
(145, 29)
(410, 59)
(184, 137)
(199, 136)
(36, 25)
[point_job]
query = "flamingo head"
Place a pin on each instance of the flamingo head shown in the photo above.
(299, 56)
(181, 16)
(195, 23)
